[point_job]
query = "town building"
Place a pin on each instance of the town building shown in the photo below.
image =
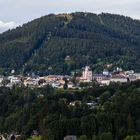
(120, 79)
(132, 78)
(87, 74)
(31, 82)
(137, 76)
(1, 79)
(105, 72)
(105, 81)
(15, 80)
(99, 77)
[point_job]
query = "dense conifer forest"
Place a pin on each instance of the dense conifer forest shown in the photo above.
(51, 113)
(42, 45)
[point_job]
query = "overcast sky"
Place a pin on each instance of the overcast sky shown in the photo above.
(15, 12)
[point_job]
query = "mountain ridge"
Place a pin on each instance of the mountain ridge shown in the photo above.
(88, 38)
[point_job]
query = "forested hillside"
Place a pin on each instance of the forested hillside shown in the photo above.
(42, 45)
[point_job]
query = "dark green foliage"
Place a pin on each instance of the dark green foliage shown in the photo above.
(117, 117)
(83, 137)
(41, 46)
(65, 84)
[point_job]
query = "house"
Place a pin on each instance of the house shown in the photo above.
(67, 58)
(35, 133)
(137, 76)
(75, 102)
(119, 73)
(109, 65)
(92, 105)
(132, 78)
(10, 85)
(1, 79)
(71, 85)
(14, 80)
(54, 77)
(119, 69)
(55, 84)
(105, 81)
(70, 138)
(105, 72)
(120, 79)
(130, 72)
(62, 82)
(40, 96)
(99, 77)
(31, 82)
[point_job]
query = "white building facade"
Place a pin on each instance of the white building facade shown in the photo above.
(87, 74)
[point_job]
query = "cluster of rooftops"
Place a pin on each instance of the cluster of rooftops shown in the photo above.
(58, 81)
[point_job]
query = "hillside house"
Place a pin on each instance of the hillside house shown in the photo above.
(75, 102)
(67, 58)
(92, 104)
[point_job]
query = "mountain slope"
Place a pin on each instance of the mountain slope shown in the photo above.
(41, 45)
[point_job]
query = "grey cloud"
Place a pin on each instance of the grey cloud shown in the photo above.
(22, 11)
(7, 25)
